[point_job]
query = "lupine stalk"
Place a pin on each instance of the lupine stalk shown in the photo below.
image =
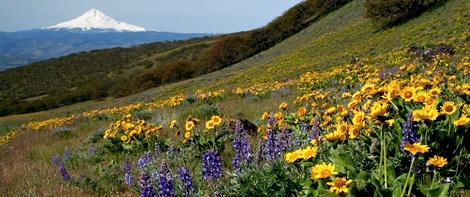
(241, 146)
(66, 153)
(57, 160)
(408, 131)
(185, 178)
(157, 150)
(146, 187)
(64, 174)
(211, 165)
(284, 138)
(165, 181)
(127, 173)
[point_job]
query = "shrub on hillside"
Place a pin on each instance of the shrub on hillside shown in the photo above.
(392, 12)
(323, 6)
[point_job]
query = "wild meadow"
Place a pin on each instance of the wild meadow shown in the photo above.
(322, 119)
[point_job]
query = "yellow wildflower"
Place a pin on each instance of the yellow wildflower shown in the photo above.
(309, 152)
(408, 93)
(291, 157)
(448, 108)
(283, 106)
(437, 161)
(187, 134)
(216, 119)
(340, 185)
(462, 121)
(416, 148)
(210, 124)
(172, 124)
(322, 171)
(189, 125)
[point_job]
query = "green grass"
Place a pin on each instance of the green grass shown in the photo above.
(26, 166)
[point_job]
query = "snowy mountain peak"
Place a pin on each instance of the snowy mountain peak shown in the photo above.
(94, 19)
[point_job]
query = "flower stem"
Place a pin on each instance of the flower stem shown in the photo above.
(408, 176)
(433, 179)
(411, 184)
(384, 150)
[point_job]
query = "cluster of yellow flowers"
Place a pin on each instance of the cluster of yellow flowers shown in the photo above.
(262, 88)
(8, 136)
(214, 94)
(128, 129)
(49, 124)
(305, 154)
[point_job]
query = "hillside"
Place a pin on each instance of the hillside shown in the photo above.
(121, 72)
(329, 91)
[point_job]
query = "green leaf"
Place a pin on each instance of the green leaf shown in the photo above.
(363, 175)
(341, 161)
(441, 191)
(463, 183)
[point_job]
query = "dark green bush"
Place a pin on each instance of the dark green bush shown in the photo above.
(388, 13)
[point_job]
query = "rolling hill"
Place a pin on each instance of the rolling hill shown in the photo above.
(312, 71)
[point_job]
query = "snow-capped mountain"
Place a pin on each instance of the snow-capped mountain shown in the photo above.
(90, 31)
(96, 20)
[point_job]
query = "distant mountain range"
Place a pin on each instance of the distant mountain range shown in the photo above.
(91, 31)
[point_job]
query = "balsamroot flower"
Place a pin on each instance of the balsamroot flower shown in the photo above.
(340, 185)
(211, 165)
(437, 161)
(322, 171)
(416, 148)
(462, 121)
(291, 157)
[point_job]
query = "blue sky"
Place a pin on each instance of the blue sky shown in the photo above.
(186, 16)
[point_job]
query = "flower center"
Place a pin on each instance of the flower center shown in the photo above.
(340, 182)
(449, 109)
(408, 94)
(325, 173)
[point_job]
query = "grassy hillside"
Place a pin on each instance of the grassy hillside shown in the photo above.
(122, 72)
(344, 82)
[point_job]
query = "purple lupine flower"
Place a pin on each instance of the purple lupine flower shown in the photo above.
(92, 150)
(66, 153)
(144, 160)
(408, 133)
(272, 148)
(171, 149)
(241, 146)
(211, 165)
(57, 160)
(127, 173)
(165, 182)
(185, 178)
(315, 131)
(303, 126)
(64, 174)
(155, 174)
(284, 138)
(146, 187)
(157, 150)
(259, 152)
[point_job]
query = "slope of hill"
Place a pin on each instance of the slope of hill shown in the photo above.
(313, 72)
(96, 79)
